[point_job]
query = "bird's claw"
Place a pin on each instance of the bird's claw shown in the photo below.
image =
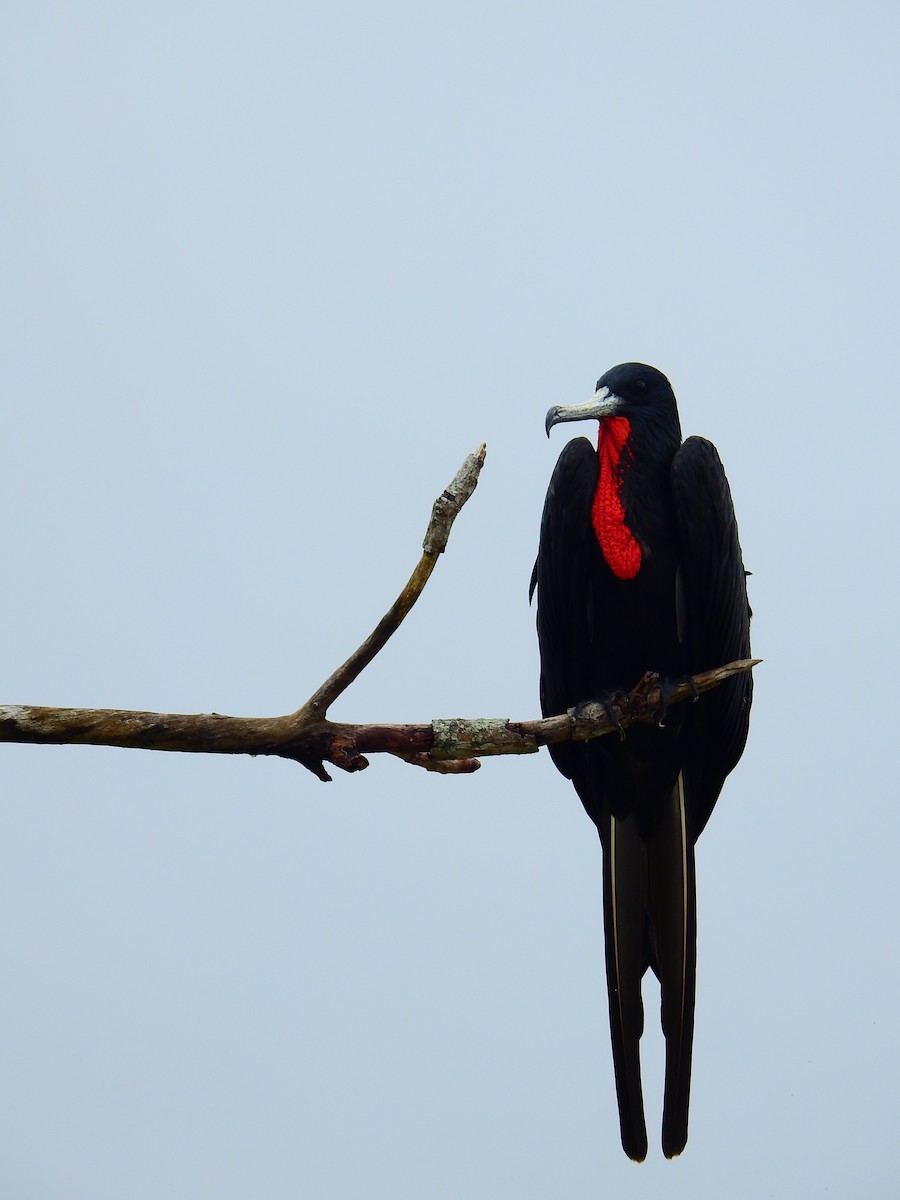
(608, 702)
(668, 685)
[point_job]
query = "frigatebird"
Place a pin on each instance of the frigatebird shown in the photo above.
(639, 568)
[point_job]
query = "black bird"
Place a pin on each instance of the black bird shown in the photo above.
(639, 568)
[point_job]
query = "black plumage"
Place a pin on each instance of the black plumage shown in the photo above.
(639, 568)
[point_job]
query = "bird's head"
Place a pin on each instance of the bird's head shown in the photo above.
(632, 390)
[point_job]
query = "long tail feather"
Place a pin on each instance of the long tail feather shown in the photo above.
(624, 911)
(673, 920)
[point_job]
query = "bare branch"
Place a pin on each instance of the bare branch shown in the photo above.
(444, 512)
(447, 746)
(461, 740)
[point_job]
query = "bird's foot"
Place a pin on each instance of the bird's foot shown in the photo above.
(608, 702)
(668, 685)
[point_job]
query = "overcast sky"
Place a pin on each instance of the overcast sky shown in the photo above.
(269, 272)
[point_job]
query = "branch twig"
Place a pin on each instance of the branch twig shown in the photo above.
(444, 512)
(308, 737)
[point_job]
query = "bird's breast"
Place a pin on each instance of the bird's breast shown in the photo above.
(620, 547)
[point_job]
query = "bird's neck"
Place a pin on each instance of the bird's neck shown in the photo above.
(620, 547)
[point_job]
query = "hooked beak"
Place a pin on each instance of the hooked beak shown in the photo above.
(603, 403)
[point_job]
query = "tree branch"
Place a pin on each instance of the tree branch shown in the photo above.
(306, 736)
(443, 513)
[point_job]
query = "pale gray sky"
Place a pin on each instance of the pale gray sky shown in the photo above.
(269, 272)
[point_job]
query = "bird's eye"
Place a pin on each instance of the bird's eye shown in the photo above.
(639, 386)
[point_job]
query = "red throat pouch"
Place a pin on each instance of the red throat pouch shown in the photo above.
(619, 545)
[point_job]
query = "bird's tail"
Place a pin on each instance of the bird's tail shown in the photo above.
(651, 919)
(624, 917)
(673, 920)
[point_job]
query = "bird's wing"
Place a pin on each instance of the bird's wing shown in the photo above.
(715, 621)
(563, 574)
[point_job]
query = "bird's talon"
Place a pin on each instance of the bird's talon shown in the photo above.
(668, 685)
(609, 701)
